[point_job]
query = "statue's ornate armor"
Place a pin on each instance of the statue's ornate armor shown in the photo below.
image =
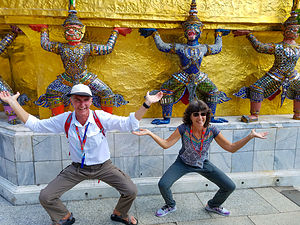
(190, 80)
(74, 61)
(5, 42)
(282, 73)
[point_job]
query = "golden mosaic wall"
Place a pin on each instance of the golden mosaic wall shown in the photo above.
(135, 64)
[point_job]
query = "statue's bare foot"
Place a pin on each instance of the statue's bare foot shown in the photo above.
(159, 121)
(219, 120)
(296, 116)
(249, 119)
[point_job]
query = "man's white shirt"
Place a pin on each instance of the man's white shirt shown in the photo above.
(96, 147)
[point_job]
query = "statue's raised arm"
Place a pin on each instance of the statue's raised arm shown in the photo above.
(22, 99)
(282, 76)
(74, 55)
(189, 83)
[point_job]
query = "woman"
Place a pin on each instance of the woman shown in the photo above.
(197, 134)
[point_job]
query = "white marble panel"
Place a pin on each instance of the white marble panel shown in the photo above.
(169, 160)
(265, 144)
(129, 165)
(3, 168)
(111, 143)
(46, 147)
(126, 144)
(214, 147)
(11, 171)
(46, 171)
(151, 166)
(242, 162)
(112, 160)
(284, 159)
(263, 160)
(64, 148)
(297, 159)
(175, 148)
(25, 173)
(65, 163)
(298, 138)
(23, 148)
(149, 147)
(238, 135)
(286, 138)
(222, 161)
(7, 143)
(2, 154)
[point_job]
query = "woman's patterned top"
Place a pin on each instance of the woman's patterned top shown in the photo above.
(187, 153)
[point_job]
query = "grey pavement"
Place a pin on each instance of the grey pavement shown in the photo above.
(254, 206)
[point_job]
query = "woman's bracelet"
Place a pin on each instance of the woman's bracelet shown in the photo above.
(146, 106)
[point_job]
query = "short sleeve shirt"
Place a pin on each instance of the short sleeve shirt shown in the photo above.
(190, 152)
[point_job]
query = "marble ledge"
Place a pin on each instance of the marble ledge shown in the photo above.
(234, 123)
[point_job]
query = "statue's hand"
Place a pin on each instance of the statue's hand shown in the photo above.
(146, 32)
(38, 27)
(16, 29)
(159, 121)
(237, 33)
(223, 31)
(123, 31)
(22, 99)
(219, 120)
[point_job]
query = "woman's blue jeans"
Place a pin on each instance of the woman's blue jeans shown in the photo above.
(209, 171)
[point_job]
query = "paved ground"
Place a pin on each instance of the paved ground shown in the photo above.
(259, 206)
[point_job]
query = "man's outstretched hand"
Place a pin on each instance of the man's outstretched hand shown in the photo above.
(6, 97)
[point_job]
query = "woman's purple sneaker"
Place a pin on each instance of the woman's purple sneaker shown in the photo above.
(219, 210)
(165, 210)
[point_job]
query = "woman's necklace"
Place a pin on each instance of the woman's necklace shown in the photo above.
(201, 139)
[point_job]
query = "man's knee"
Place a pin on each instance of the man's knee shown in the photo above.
(44, 197)
(131, 191)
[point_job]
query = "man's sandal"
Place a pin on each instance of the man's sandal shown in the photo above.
(68, 221)
(117, 218)
(247, 119)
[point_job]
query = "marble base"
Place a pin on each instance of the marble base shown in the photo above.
(31, 160)
(91, 189)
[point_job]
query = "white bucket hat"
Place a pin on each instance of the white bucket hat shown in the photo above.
(80, 89)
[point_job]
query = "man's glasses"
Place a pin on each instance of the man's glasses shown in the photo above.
(196, 114)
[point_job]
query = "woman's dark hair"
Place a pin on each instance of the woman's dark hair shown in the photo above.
(196, 106)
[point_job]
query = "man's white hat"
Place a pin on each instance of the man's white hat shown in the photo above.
(80, 89)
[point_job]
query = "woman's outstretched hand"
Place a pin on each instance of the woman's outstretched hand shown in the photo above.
(261, 135)
(141, 132)
(6, 97)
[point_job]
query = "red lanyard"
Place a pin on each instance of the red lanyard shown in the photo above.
(82, 142)
(201, 139)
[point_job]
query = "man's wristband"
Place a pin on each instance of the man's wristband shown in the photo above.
(146, 106)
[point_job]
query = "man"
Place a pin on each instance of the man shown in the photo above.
(88, 150)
